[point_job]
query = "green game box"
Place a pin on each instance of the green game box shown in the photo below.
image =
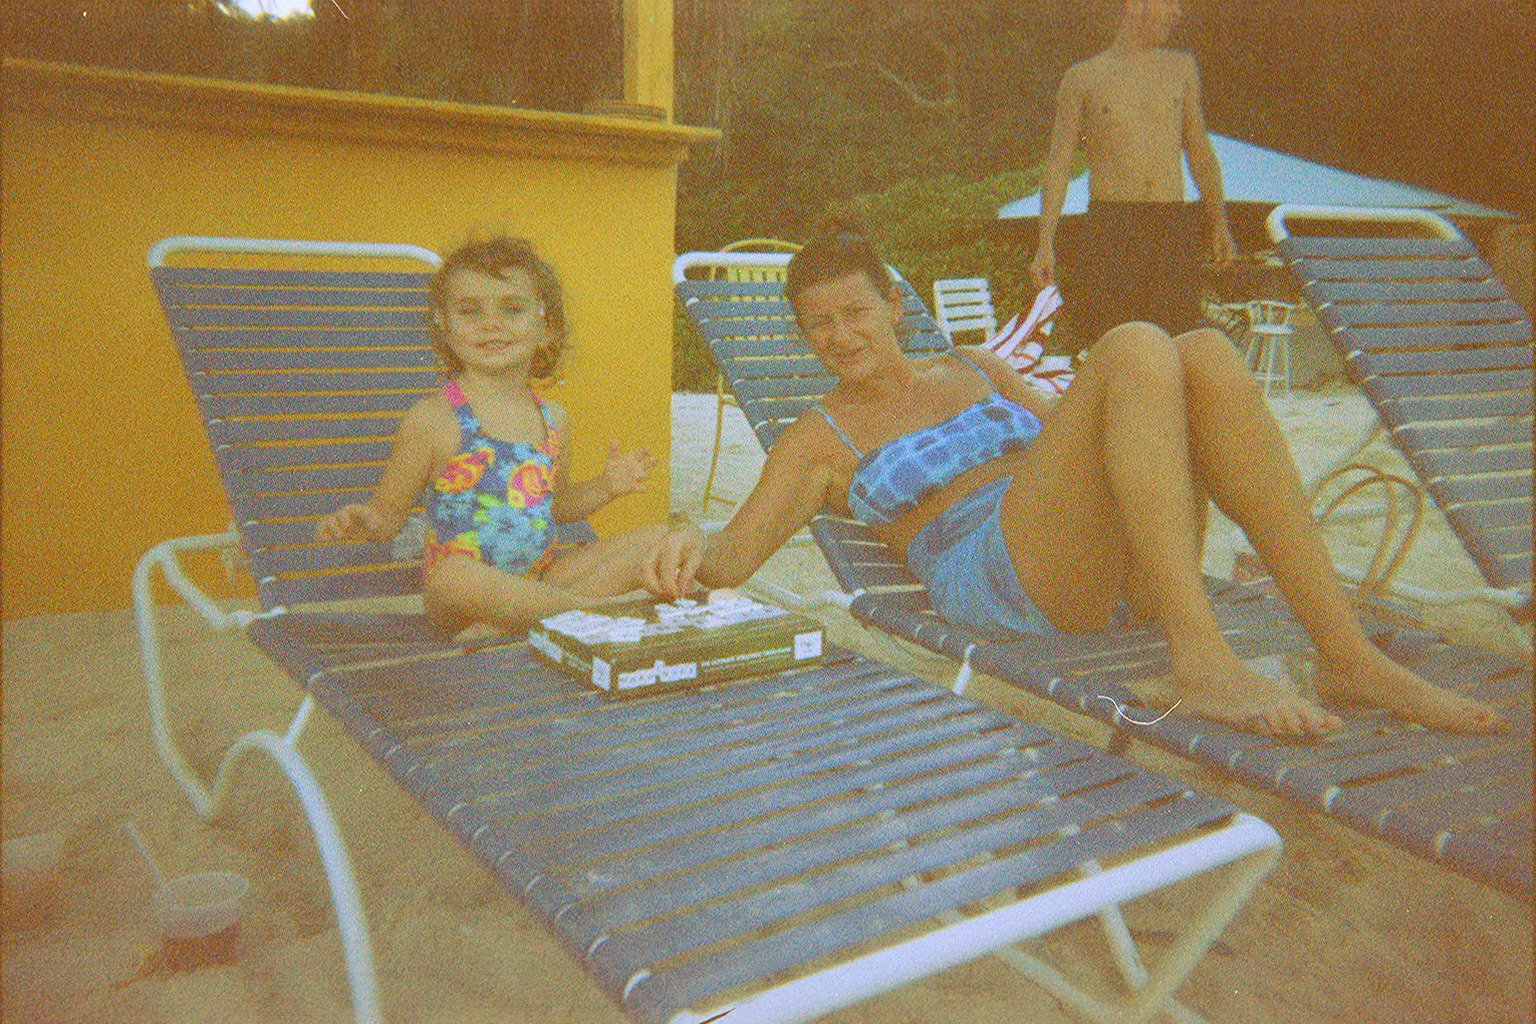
(647, 646)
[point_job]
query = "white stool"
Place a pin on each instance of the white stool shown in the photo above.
(1269, 341)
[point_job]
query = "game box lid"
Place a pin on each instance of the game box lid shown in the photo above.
(645, 646)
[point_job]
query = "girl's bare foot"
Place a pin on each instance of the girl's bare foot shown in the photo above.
(1378, 680)
(481, 632)
(1229, 691)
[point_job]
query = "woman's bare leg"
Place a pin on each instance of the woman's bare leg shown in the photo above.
(1110, 484)
(1237, 447)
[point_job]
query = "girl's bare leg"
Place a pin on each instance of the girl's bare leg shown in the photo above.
(1238, 449)
(462, 591)
(1109, 484)
(607, 567)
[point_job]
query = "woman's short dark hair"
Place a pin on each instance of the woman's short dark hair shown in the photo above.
(496, 257)
(838, 248)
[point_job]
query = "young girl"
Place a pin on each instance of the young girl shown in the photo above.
(496, 457)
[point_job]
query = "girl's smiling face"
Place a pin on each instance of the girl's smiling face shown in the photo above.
(493, 325)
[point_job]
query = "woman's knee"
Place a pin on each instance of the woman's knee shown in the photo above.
(1212, 359)
(1140, 347)
(1204, 346)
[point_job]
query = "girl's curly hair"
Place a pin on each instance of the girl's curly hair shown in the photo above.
(495, 257)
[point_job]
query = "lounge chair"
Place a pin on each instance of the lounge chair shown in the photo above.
(739, 268)
(1461, 801)
(770, 848)
(1430, 335)
(963, 305)
(1021, 344)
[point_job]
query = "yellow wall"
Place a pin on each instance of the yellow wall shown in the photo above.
(103, 454)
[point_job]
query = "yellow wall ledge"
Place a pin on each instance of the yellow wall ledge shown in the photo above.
(103, 453)
(106, 94)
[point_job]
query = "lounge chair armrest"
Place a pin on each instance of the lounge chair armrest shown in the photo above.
(165, 555)
(1426, 219)
(158, 252)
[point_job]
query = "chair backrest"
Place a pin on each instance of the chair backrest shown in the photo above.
(1429, 333)
(758, 271)
(964, 304)
(731, 266)
(300, 377)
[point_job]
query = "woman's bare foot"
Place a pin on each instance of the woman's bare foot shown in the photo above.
(1229, 691)
(1378, 680)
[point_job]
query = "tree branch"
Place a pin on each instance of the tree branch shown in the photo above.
(948, 100)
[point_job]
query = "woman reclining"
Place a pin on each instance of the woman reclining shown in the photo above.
(1023, 514)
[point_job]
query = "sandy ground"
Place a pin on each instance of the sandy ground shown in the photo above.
(1344, 929)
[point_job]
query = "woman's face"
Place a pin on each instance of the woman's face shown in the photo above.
(849, 325)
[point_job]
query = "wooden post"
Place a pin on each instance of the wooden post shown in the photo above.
(648, 53)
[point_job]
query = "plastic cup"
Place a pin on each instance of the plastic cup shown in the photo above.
(196, 906)
(200, 916)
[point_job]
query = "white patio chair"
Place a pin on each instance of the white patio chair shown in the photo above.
(1269, 341)
(964, 304)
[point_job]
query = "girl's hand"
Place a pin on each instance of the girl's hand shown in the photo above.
(351, 523)
(627, 474)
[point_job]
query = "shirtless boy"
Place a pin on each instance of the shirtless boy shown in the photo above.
(1136, 109)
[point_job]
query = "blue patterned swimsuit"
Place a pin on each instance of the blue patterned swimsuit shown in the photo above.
(961, 556)
(493, 501)
(901, 474)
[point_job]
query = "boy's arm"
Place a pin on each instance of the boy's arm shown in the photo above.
(1206, 170)
(1053, 181)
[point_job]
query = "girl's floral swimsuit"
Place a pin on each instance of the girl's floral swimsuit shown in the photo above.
(493, 500)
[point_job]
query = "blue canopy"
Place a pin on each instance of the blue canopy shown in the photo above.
(1252, 174)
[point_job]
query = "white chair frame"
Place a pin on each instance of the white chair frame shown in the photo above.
(964, 304)
(351, 922)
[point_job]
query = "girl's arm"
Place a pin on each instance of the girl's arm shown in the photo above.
(411, 460)
(621, 475)
(796, 481)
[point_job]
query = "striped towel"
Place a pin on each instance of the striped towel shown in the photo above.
(1018, 344)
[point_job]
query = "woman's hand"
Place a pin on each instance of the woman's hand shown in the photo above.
(352, 523)
(667, 570)
(627, 474)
